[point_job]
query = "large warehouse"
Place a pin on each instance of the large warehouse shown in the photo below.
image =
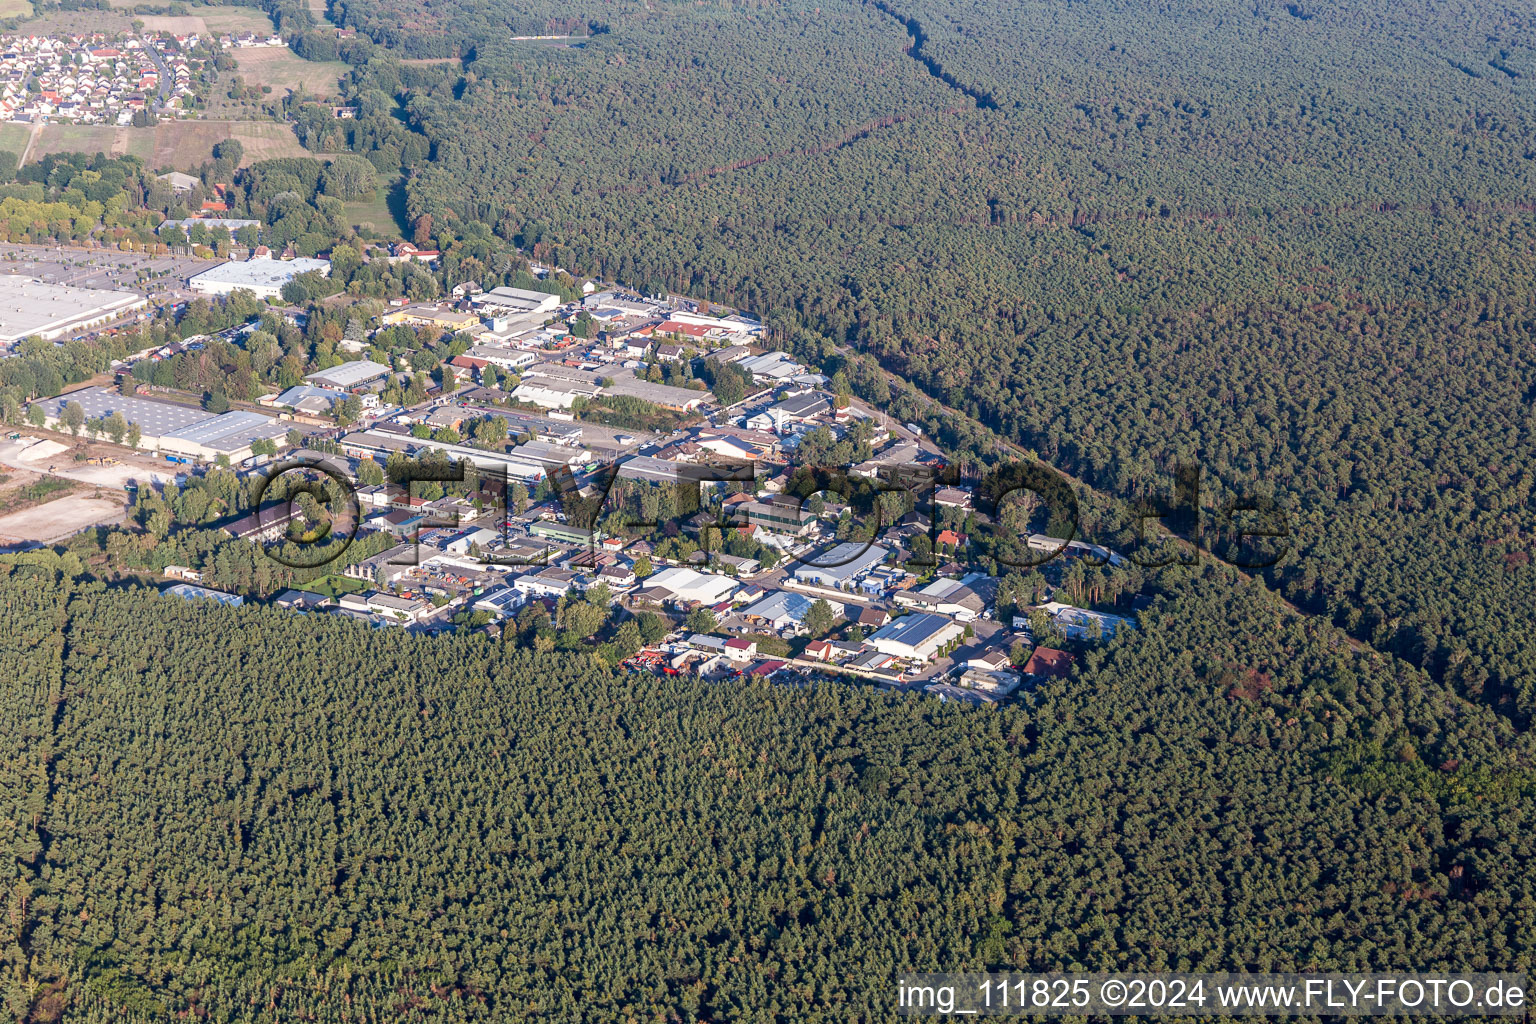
(50, 311)
(346, 376)
(230, 434)
(184, 431)
(263, 278)
(687, 587)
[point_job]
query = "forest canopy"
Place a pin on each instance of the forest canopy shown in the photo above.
(205, 813)
(1291, 243)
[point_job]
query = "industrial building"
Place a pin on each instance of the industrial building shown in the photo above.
(230, 435)
(379, 444)
(776, 513)
(348, 375)
(30, 308)
(840, 566)
(307, 399)
(154, 419)
(515, 301)
(183, 431)
(649, 470)
(230, 224)
(665, 395)
(687, 587)
(785, 609)
(188, 592)
(944, 596)
(549, 393)
(506, 358)
(263, 278)
(915, 637)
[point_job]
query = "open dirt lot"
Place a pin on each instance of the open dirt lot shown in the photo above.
(56, 520)
(131, 469)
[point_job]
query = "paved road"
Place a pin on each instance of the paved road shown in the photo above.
(165, 72)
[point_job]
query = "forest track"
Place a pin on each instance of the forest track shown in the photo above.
(914, 49)
(1014, 449)
(853, 135)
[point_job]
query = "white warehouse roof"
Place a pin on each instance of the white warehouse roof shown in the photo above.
(154, 419)
(688, 585)
(29, 307)
(264, 277)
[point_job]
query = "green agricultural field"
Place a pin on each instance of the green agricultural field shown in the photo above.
(216, 20)
(181, 145)
(186, 144)
(15, 9)
(57, 22)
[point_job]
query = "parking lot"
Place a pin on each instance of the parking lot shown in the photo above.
(101, 268)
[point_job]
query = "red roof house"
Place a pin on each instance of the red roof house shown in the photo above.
(1047, 661)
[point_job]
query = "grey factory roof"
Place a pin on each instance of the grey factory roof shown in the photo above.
(231, 431)
(842, 563)
(626, 383)
(228, 223)
(644, 467)
(154, 419)
(911, 630)
(349, 375)
(326, 397)
(783, 604)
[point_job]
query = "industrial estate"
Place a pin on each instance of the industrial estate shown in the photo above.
(667, 512)
(747, 578)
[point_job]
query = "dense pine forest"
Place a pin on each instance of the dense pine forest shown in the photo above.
(249, 815)
(1293, 243)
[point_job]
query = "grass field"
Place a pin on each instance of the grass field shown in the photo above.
(181, 145)
(13, 137)
(380, 212)
(334, 586)
(186, 144)
(15, 9)
(281, 68)
(95, 138)
(216, 20)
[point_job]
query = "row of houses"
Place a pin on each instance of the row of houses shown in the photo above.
(79, 78)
